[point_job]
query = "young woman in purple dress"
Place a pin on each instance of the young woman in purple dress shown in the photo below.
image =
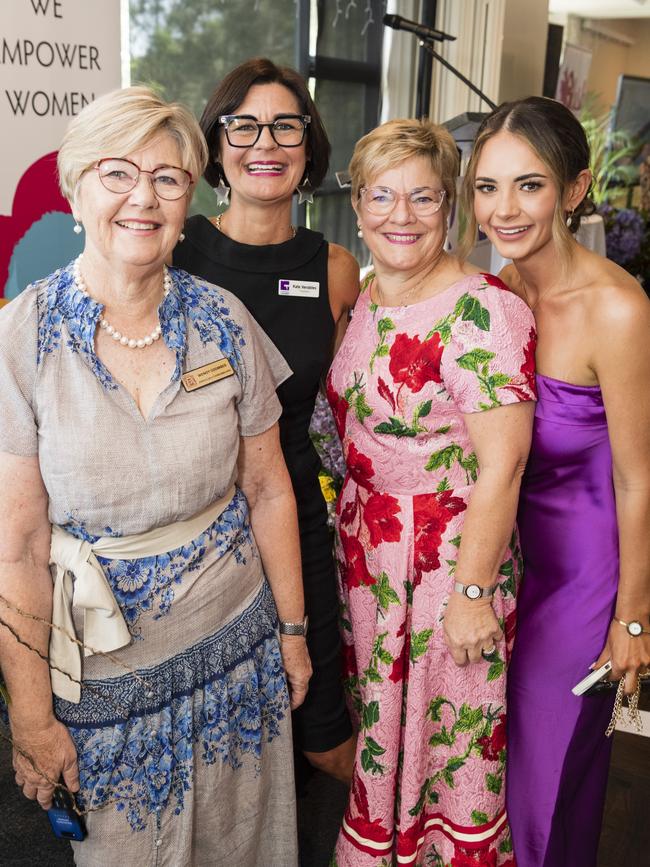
(585, 503)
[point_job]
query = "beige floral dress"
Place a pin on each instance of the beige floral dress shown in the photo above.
(184, 740)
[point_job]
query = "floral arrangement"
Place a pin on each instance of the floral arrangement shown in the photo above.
(613, 152)
(627, 235)
(326, 441)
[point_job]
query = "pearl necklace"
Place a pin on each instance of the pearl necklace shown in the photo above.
(105, 325)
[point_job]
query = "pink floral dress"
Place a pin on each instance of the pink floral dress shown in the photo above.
(428, 786)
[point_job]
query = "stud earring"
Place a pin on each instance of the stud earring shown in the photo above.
(78, 228)
(305, 192)
(181, 237)
(480, 228)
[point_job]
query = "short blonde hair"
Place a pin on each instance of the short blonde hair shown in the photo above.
(124, 120)
(396, 141)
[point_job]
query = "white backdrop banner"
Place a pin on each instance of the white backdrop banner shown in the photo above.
(55, 57)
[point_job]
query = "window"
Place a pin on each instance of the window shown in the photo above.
(184, 47)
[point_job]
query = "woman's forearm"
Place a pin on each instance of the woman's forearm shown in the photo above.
(633, 515)
(489, 522)
(274, 523)
(27, 586)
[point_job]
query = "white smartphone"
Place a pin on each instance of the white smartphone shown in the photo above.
(591, 679)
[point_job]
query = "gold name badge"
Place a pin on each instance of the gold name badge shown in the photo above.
(201, 376)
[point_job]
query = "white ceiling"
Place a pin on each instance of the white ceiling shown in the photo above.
(602, 8)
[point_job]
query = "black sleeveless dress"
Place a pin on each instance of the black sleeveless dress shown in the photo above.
(285, 288)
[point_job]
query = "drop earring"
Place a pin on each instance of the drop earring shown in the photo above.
(78, 228)
(359, 231)
(480, 228)
(569, 218)
(222, 190)
(181, 237)
(305, 192)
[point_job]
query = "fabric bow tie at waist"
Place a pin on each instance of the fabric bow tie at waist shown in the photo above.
(79, 581)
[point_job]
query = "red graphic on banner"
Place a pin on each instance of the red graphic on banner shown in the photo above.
(37, 193)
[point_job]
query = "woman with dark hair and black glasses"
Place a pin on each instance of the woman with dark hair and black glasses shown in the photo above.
(267, 143)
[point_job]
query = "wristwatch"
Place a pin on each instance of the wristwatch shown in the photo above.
(473, 591)
(294, 628)
(634, 628)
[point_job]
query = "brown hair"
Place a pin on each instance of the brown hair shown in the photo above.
(396, 141)
(231, 92)
(560, 142)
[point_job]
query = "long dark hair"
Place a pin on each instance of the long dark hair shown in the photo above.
(232, 91)
(559, 140)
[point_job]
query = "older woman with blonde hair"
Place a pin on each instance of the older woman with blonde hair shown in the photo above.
(139, 454)
(432, 391)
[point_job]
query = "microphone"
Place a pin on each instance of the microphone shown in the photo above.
(420, 30)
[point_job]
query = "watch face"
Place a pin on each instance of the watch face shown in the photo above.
(473, 591)
(634, 627)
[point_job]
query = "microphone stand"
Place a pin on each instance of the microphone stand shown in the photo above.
(425, 43)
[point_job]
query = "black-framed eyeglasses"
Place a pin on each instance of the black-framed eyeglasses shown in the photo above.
(244, 130)
(121, 176)
(423, 201)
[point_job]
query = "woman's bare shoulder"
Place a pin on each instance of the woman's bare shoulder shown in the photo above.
(342, 275)
(613, 298)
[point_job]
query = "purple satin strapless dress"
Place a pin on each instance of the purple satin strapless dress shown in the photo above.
(558, 754)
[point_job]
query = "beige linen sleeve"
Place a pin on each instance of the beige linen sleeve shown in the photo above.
(18, 355)
(264, 369)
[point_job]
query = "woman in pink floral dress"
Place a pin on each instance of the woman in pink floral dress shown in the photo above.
(432, 391)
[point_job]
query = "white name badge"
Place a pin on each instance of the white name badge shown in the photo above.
(298, 288)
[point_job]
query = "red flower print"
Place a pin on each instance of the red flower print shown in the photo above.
(379, 517)
(359, 466)
(400, 668)
(414, 363)
(431, 514)
(386, 393)
(523, 384)
(361, 823)
(493, 744)
(348, 513)
(493, 280)
(339, 406)
(528, 367)
(407, 841)
(354, 570)
(400, 662)
(510, 627)
(482, 858)
(348, 661)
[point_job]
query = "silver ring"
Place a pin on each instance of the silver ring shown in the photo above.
(490, 650)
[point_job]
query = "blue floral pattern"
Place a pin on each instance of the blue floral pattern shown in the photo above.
(140, 585)
(59, 301)
(141, 737)
(209, 314)
(137, 737)
(148, 582)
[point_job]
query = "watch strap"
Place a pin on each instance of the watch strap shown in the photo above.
(634, 627)
(287, 628)
(474, 591)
